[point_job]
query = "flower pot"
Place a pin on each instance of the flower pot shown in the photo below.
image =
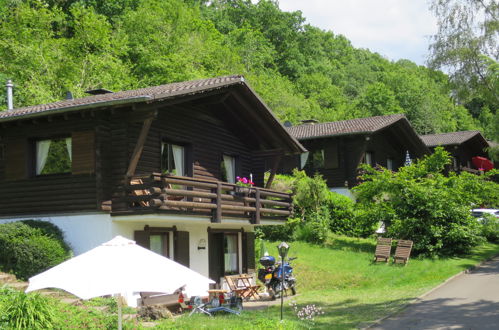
(240, 191)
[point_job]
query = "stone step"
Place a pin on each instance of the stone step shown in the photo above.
(70, 301)
(21, 286)
(7, 278)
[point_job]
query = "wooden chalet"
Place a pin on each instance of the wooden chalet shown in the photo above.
(462, 146)
(336, 149)
(157, 165)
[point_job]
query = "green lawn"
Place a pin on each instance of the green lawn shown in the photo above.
(341, 279)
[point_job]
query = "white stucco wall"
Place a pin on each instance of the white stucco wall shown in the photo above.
(86, 231)
(81, 231)
(343, 191)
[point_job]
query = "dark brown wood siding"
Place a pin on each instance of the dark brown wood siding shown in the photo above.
(23, 193)
(83, 161)
(205, 137)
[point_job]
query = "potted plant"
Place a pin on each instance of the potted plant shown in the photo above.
(243, 186)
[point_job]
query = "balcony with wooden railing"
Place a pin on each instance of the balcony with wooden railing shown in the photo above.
(219, 200)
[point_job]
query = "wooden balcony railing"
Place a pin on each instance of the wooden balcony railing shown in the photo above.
(217, 199)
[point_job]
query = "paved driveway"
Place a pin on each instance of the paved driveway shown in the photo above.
(469, 301)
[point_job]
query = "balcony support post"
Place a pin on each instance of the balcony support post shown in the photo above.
(217, 213)
(256, 215)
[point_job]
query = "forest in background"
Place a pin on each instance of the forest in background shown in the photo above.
(49, 47)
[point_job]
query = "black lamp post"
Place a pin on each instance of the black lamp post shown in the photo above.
(283, 249)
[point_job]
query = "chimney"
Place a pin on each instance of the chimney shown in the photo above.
(10, 99)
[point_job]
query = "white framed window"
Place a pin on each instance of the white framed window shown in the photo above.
(389, 164)
(173, 159)
(231, 250)
(368, 158)
(228, 169)
(53, 156)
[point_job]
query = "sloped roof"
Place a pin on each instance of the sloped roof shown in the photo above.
(137, 95)
(344, 127)
(162, 93)
(453, 138)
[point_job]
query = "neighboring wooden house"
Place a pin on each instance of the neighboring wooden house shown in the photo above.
(157, 165)
(462, 146)
(336, 149)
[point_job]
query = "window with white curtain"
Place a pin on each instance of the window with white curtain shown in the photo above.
(53, 156)
(230, 254)
(389, 164)
(173, 159)
(228, 169)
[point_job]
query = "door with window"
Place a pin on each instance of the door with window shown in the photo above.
(228, 169)
(223, 254)
(156, 241)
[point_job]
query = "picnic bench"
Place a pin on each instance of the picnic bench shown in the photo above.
(242, 286)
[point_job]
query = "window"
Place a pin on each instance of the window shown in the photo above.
(368, 158)
(230, 254)
(158, 242)
(315, 160)
(389, 164)
(228, 169)
(172, 159)
(53, 156)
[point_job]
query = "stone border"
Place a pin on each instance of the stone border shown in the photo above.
(419, 298)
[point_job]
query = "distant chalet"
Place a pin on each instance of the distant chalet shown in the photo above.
(338, 148)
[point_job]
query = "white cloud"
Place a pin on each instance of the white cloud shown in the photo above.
(394, 28)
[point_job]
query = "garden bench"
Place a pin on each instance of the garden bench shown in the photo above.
(383, 249)
(403, 251)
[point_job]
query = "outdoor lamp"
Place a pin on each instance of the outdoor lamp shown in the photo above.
(283, 250)
(202, 244)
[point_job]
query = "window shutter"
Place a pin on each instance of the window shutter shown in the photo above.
(181, 247)
(142, 238)
(249, 252)
(83, 161)
(15, 159)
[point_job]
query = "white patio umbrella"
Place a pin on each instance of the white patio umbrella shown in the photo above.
(120, 267)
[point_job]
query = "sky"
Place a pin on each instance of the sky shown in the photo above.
(395, 29)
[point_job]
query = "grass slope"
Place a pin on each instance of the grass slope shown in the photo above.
(351, 290)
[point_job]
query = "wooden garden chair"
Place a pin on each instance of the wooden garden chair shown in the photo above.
(242, 287)
(383, 249)
(403, 251)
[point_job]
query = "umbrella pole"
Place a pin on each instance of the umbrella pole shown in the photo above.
(120, 319)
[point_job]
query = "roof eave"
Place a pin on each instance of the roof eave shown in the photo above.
(77, 108)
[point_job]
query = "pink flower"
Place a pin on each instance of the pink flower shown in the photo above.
(245, 180)
(251, 183)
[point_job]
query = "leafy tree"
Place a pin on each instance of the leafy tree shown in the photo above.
(466, 45)
(422, 204)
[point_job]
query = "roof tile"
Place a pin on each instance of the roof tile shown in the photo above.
(153, 93)
(352, 126)
(433, 140)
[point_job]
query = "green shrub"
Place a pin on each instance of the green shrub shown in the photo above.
(27, 249)
(19, 310)
(421, 204)
(490, 228)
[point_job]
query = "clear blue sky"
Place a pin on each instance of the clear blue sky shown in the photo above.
(393, 28)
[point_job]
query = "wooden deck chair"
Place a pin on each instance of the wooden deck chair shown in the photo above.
(140, 192)
(383, 249)
(403, 251)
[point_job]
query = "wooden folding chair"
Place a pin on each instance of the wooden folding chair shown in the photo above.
(241, 286)
(403, 251)
(383, 249)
